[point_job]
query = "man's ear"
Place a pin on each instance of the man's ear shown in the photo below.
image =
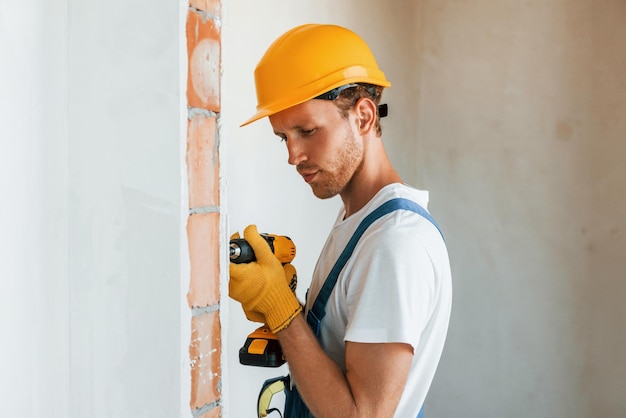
(365, 111)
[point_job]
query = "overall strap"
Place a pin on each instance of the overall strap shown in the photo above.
(318, 310)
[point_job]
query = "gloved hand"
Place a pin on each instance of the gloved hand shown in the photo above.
(291, 280)
(262, 286)
(290, 271)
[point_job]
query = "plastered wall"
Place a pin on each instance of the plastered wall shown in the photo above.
(519, 130)
(34, 357)
(93, 314)
(124, 250)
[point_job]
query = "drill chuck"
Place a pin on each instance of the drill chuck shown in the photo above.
(281, 246)
(241, 251)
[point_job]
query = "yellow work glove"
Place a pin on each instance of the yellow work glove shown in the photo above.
(290, 276)
(252, 316)
(260, 286)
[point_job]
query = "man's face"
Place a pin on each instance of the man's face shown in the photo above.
(324, 146)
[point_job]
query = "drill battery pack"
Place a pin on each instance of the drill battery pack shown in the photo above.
(261, 349)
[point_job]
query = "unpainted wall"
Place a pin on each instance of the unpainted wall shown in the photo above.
(521, 131)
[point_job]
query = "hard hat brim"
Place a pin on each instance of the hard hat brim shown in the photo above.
(308, 93)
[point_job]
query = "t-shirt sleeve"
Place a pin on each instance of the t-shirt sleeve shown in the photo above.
(390, 287)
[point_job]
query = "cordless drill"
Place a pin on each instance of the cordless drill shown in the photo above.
(261, 347)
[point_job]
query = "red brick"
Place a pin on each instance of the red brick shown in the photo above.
(205, 353)
(202, 161)
(213, 7)
(204, 55)
(203, 232)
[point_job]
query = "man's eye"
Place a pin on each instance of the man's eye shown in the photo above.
(308, 132)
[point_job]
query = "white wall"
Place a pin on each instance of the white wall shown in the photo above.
(33, 215)
(125, 208)
(91, 297)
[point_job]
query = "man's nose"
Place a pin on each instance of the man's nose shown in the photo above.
(296, 152)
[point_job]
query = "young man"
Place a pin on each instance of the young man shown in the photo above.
(373, 349)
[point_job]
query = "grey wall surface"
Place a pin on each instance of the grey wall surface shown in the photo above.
(521, 136)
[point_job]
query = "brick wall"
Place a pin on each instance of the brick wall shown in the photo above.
(203, 225)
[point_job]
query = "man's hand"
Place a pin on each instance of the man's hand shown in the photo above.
(261, 288)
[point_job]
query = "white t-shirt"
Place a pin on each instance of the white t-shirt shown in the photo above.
(396, 287)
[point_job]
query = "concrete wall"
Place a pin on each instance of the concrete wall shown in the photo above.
(521, 133)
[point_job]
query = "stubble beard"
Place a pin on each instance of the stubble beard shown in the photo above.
(339, 171)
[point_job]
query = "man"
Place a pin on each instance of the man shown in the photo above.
(374, 348)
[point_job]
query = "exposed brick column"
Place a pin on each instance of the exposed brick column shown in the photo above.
(203, 225)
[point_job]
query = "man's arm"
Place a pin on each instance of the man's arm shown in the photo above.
(371, 387)
(375, 374)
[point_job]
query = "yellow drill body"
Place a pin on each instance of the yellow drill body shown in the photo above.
(261, 347)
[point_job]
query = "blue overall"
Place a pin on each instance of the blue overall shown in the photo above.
(294, 406)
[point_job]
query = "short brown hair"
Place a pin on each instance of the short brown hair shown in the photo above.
(347, 99)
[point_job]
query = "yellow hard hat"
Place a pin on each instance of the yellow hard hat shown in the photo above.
(310, 60)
